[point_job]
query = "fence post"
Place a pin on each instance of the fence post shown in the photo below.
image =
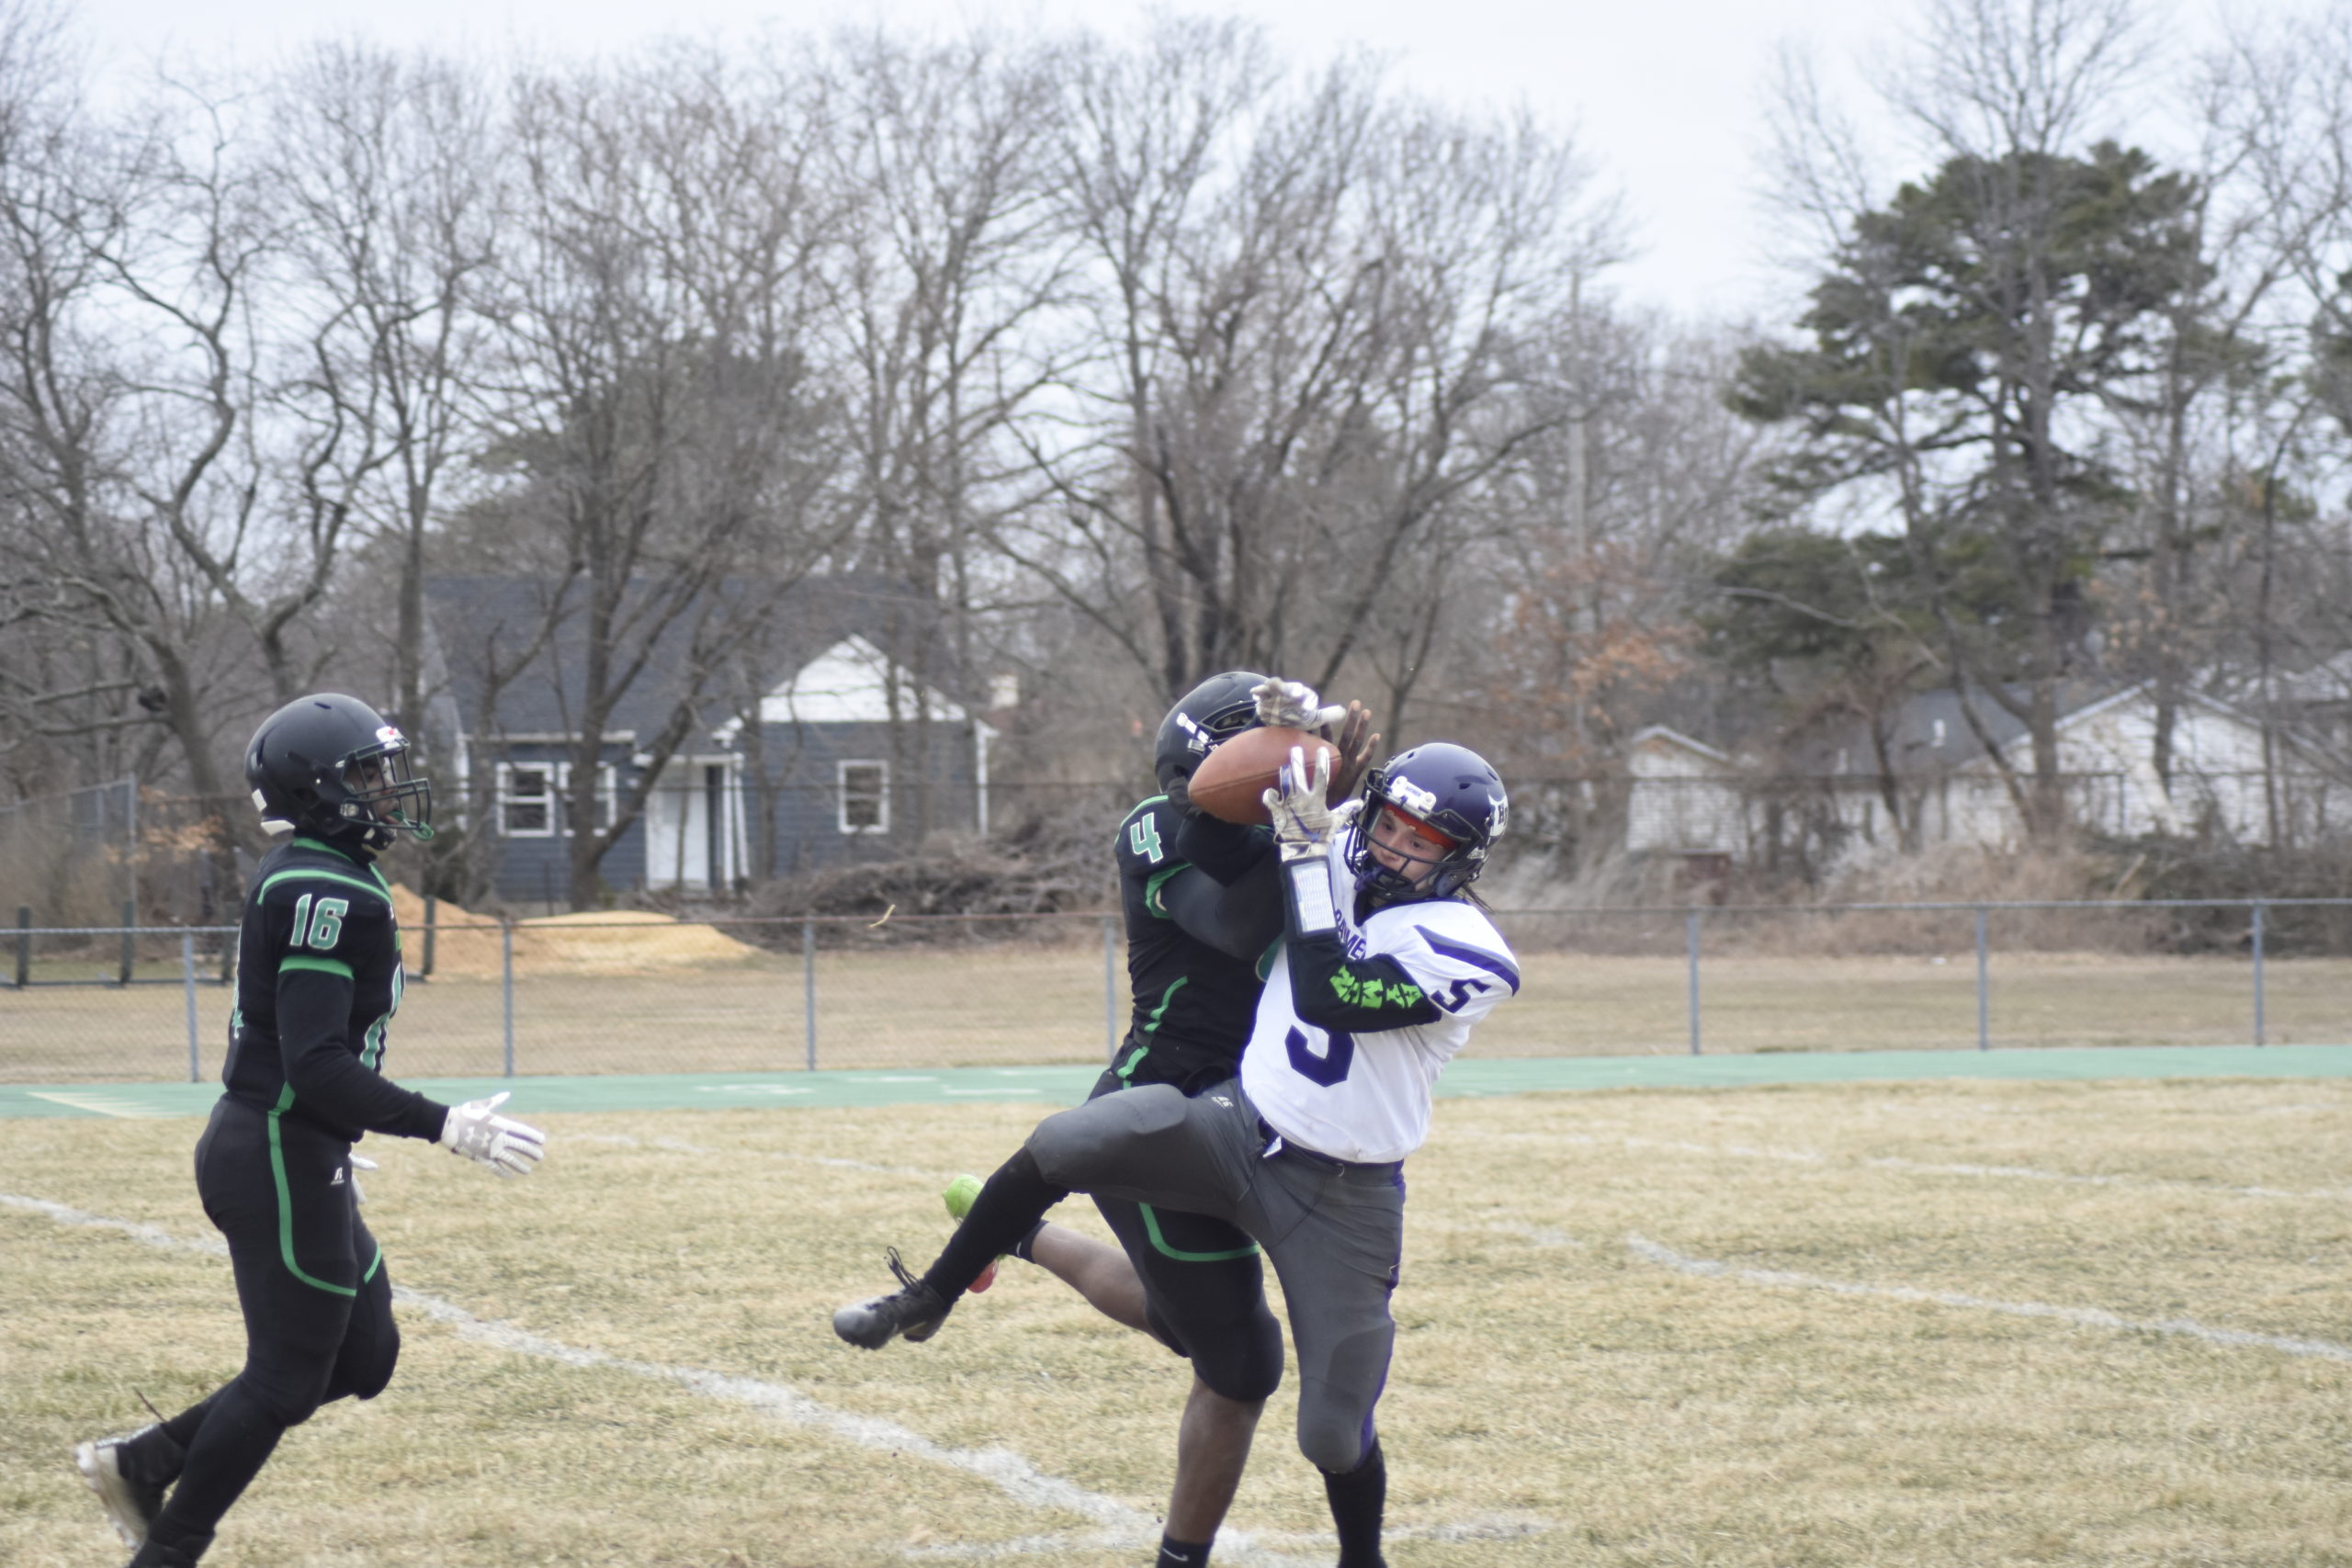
(2258, 972)
(808, 985)
(188, 983)
(1690, 940)
(129, 937)
(506, 983)
(1984, 1009)
(24, 945)
(432, 924)
(1111, 987)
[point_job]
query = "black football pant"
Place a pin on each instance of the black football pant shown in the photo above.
(317, 1304)
(1205, 1289)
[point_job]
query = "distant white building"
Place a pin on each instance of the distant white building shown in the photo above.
(1940, 784)
(1684, 796)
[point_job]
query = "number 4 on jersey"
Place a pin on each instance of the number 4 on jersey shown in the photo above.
(1142, 837)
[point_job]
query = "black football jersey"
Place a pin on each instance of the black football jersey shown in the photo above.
(1193, 1003)
(317, 980)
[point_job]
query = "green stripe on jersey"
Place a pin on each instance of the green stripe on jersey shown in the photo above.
(323, 966)
(1151, 1024)
(311, 875)
(1151, 900)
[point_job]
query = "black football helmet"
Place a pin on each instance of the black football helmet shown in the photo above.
(1216, 709)
(1449, 789)
(329, 764)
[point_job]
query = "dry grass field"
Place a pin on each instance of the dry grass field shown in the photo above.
(1020, 1004)
(1963, 1325)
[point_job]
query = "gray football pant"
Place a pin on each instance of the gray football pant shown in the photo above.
(1334, 1232)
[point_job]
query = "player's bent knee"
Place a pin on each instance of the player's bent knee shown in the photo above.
(1246, 1364)
(1333, 1440)
(376, 1375)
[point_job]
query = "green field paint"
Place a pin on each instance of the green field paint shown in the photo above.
(1069, 1085)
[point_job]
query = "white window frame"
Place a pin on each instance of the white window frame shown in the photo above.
(881, 797)
(559, 776)
(545, 800)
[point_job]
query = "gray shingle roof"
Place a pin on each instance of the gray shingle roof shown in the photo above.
(479, 622)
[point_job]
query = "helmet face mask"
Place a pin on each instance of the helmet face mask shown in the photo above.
(1213, 712)
(380, 788)
(1436, 809)
(329, 764)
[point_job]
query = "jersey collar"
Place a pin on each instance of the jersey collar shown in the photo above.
(305, 842)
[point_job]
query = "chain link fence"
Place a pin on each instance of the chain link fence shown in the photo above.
(643, 993)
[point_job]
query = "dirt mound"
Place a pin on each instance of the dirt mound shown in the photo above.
(617, 942)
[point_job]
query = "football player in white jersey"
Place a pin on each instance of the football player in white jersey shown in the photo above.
(1385, 965)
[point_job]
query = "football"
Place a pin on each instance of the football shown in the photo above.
(1233, 779)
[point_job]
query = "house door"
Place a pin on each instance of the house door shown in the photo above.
(690, 824)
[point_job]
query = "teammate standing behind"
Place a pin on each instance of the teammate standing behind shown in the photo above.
(1385, 966)
(317, 980)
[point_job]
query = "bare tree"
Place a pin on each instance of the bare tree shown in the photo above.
(951, 260)
(1317, 295)
(653, 311)
(388, 175)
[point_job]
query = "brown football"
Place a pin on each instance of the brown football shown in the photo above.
(1232, 781)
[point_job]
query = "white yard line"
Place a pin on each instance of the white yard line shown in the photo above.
(102, 1104)
(1098, 1540)
(2088, 1317)
(1925, 1167)
(1116, 1523)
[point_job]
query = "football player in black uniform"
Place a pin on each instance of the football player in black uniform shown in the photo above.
(1195, 943)
(317, 980)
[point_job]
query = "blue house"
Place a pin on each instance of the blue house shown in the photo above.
(799, 744)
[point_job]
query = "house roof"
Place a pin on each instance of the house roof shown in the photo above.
(847, 684)
(483, 624)
(1661, 735)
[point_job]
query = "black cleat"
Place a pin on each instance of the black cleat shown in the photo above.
(913, 1313)
(131, 1505)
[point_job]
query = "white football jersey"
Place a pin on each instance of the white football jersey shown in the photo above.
(1366, 1096)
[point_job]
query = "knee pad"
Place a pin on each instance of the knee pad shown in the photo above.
(1243, 1361)
(1330, 1446)
(1334, 1439)
(364, 1365)
(370, 1378)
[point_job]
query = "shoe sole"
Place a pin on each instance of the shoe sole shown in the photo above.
(108, 1487)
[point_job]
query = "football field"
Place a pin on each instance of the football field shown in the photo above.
(1761, 1313)
(1821, 1320)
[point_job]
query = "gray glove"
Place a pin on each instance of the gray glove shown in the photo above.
(1293, 705)
(1304, 820)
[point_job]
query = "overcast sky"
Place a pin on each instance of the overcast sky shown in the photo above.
(1666, 96)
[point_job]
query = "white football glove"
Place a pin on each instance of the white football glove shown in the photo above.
(476, 1130)
(358, 1164)
(1293, 705)
(1303, 819)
